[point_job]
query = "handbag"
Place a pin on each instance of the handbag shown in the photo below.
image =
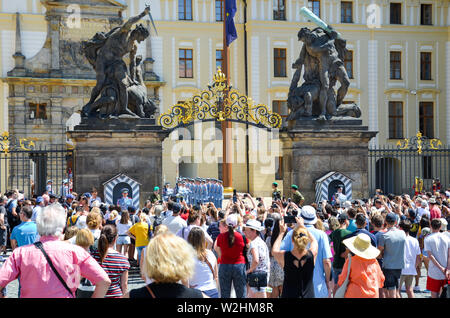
(39, 246)
(257, 279)
(340, 293)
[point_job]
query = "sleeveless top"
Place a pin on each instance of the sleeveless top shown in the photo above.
(298, 281)
(166, 290)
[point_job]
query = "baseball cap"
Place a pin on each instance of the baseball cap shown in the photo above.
(294, 187)
(275, 184)
(347, 204)
(70, 196)
(39, 199)
(155, 188)
(232, 220)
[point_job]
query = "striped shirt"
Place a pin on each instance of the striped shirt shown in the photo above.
(114, 265)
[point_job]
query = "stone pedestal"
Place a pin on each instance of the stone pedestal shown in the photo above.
(312, 149)
(106, 148)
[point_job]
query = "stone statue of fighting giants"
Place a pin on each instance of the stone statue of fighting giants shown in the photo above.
(321, 58)
(120, 90)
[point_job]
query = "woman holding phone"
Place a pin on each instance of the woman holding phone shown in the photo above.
(298, 264)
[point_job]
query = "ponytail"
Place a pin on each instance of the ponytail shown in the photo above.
(107, 237)
(230, 236)
(102, 247)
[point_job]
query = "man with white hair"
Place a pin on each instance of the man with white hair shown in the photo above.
(52, 268)
(423, 209)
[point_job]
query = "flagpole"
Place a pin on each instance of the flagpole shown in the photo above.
(227, 173)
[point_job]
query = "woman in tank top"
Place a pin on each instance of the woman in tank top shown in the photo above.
(298, 265)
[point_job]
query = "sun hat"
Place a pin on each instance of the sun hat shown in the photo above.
(426, 231)
(347, 204)
(432, 200)
(254, 224)
(444, 224)
(158, 209)
(232, 220)
(308, 213)
(360, 245)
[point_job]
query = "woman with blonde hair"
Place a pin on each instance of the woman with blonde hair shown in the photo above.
(85, 239)
(298, 264)
(206, 270)
(169, 259)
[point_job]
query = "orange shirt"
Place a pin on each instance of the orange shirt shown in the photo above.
(365, 279)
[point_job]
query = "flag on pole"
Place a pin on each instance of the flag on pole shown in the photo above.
(230, 29)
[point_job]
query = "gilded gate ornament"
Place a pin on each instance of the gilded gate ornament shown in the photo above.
(420, 143)
(10, 143)
(214, 103)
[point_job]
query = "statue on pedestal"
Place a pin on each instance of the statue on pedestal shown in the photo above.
(322, 57)
(122, 91)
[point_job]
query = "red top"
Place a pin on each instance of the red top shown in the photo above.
(234, 254)
(435, 213)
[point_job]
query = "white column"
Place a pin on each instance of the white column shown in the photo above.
(166, 10)
(331, 13)
(174, 64)
(447, 86)
(373, 88)
(198, 62)
(356, 9)
(212, 59)
(204, 17)
(254, 10)
(196, 19)
(254, 68)
(261, 3)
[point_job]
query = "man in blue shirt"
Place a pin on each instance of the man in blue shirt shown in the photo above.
(322, 268)
(26, 232)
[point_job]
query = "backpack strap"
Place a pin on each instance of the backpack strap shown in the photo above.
(150, 291)
(39, 246)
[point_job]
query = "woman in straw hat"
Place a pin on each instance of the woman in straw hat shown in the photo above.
(365, 276)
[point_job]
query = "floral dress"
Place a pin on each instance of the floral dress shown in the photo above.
(276, 277)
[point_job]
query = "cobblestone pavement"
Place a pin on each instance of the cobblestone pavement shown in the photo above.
(135, 281)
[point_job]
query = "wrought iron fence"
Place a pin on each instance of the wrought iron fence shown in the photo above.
(394, 170)
(29, 170)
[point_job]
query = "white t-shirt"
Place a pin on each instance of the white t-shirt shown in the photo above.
(422, 211)
(437, 244)
(174, 223)
(412, 249)
(203, 278)
(123, 228)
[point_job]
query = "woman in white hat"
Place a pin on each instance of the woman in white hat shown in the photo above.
(365, 276)
(258, 258)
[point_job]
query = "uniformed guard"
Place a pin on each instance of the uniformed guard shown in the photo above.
(212, 191)
(276, 194)
(197, 189)
(297, 197)
(204, 195)
(155, 196)
(65, 188)
(49, 187)
(124, 202)
(167, 192)
(220, 194)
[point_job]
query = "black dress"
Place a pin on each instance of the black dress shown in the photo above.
(166, 290)
(298, 281)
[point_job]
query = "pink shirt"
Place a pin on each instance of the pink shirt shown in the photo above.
(435, 213)
(37, 279)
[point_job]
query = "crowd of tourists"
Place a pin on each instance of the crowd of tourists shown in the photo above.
(188, 244)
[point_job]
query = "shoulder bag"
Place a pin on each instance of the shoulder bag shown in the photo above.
(39, 246)
(340, 293)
